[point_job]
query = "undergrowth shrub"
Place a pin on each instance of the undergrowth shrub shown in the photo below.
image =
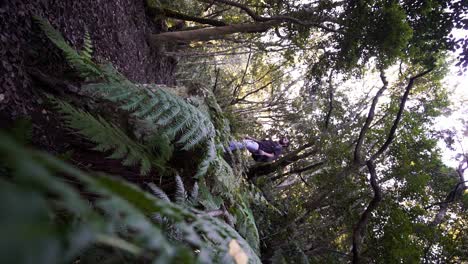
(59, 214)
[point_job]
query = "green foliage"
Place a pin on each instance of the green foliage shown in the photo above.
(411, 31)
(53, 223)
(392, 33)
(397, 240)
(87, 52)
(206, 199)
(182, 197)
(246, 225)
(108, 137)
(373, 29)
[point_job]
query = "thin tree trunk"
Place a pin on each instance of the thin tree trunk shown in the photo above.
(210, 33)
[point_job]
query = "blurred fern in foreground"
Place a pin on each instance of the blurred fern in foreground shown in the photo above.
(46, 218)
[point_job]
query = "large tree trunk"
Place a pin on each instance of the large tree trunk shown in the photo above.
(210, 33)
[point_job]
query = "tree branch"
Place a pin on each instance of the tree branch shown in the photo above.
(370, 117)
(360, 228)
(330, 102)
(391, 135)
(451, 197)
(300, 170)
(236, 89)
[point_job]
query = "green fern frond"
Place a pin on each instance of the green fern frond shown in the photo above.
(107, 136)
(158, 192)
(208, 160)
(154, 116)
(160, 145)
(194, 193)
(104, 88)
(148, 107)
(207, 199)
(175, 117)
(178, 125)
(121, 95)
(87, 50)
(134, 103)
(181, 194)
(188, 134)
(133, 158)
(199, 136)
(180, 197)
(169, 116)
(86, 68)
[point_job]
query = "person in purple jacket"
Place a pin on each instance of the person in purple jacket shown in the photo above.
(262, 150)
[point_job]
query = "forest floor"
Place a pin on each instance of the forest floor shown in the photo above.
(118, 31)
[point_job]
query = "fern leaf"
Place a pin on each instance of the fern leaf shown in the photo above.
(122, 95)
(208, 160)
(104, 148)
(194, 193)
(87, 50)
(179, 120)
(147, 108)
(180, 195)
(84, 67)
(158, 192)
(132, 158)
(198, 137)
(134, 103)
(177, 126)
(106, 136)
(188, 134)
(103, 88)
(145, 166)
(169, 116)
(159, 111)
